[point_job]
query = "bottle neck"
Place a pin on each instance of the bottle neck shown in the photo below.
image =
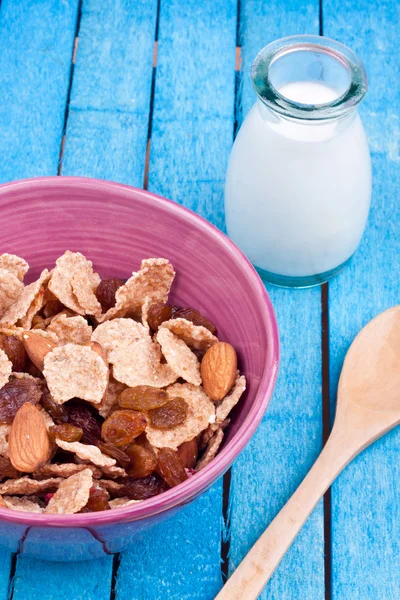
(309, 78)
(303, 130)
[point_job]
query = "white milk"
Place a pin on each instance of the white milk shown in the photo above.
(297, 193)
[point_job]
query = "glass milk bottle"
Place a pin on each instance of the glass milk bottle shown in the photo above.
(298, 186)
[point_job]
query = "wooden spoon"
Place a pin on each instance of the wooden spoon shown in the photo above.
(368, 406)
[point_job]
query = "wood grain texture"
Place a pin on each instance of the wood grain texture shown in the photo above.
(5, 561)
(110, 97)
(194, 104)
(365, 499)
(36, 42)
(178, 560)
(290, 436)
(191, 139)
(39, 580)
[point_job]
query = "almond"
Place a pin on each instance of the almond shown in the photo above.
(188, 453)
(37, 347)
(218, 370)
(28, 440)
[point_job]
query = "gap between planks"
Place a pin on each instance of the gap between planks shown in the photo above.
(226, 534)
(326, 416)
(152, 92)
(71, 76)
(326, 426)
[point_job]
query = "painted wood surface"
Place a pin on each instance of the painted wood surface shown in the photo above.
(191, 121)
(365, 500)
(110, 97)
(290, 436)
(36, 43)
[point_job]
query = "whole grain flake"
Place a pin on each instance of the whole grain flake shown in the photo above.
(21, 306)
(23, 504)
(195, 336)
(14, 264)
(149, 285)
(10, 290)
(74, 371)
(72, 494)
(27, 486)
(231, 399)
(201, 412)
(70, 330)
(5, 368)
(87, 452)
(73, 276)
(118, 334)
(179, 356)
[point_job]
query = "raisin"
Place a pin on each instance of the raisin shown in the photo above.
(15, 350)
(7, 470)
(157, 314)
(52, 307)
(190, 314)
(105, 292)
(140, 489)
(142, 397)
(170, 467)
(170, 415)
(120, 456)
(81, 416)
(142, 461)
(98, 500)
(188, 453)
(14, 394)
(123, 426)
(65, 432)
(58, 412)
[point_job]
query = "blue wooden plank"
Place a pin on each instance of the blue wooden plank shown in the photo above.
(5, 561)
(110, 97)
(180, 559)
(36, 41)
(194, 104)
(191, 138)
(290, 436)
(365, 499)
(39, 580)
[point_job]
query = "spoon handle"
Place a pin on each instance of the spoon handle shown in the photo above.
(249, 579)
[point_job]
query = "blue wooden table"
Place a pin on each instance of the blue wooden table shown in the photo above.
(151, 94)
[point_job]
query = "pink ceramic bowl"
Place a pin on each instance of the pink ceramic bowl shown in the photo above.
(116, 226)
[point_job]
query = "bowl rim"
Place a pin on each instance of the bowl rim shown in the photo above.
(192, 487)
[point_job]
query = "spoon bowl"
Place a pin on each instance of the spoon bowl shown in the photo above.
(371, 371)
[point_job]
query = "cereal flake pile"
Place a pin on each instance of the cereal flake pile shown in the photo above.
(108, 395)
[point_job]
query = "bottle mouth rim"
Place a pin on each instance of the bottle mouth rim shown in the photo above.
(338, 107)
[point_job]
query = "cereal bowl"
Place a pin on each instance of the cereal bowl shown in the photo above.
(116, 226)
